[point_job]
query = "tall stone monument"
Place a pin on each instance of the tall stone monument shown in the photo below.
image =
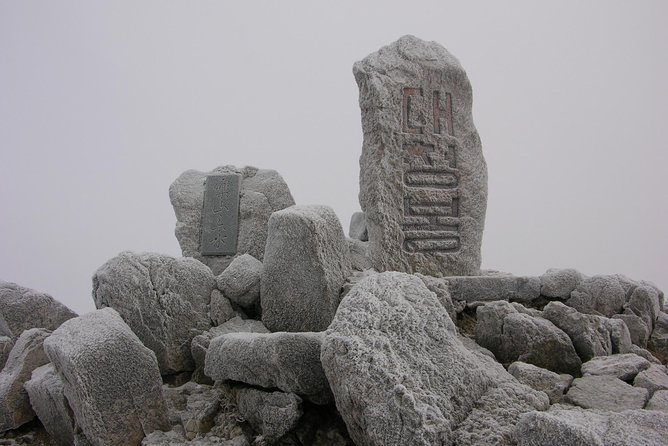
(423, 178)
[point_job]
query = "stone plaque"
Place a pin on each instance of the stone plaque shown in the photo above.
(220, 215)
(423, 179)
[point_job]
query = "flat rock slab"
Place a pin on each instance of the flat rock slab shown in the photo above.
(161, 298)
(287, 361)
(47, 399)
(605, 393)
(577, 427)
(400, 375)
(261, 192)
(26, 356)
(423, 178)
(659, 401)
(491, 288)
(624, 367)
(306, 262)
(654, 378)
(23, 308)
(111, 381)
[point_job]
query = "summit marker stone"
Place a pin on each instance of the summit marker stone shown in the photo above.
(423, 178)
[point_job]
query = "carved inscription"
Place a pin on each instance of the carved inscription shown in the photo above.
(430, 176)
(220, 215)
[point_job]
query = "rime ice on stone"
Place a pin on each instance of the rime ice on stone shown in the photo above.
(423, 180)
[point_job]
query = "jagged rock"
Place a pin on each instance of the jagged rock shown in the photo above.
(175, 437)
(471, 345)
(591, 335)
(441, 288)
(220, 308)
(6, 345)
(658, 341)
(559, 283)
(200, 343)
(423, 190)
(659, 401)
(358, 230)
(319, 426)
(654, 378)
(491, 288)
(193, 407)
(359, 254)
(240, 282)
(23, 308)
(541, 379)
(47, 399)
(261, 193)
(306, 262)
(514, 336)
(577, 427)
(605, 393)
(161, 298)
(111, 381)
(638, 330)
(600, 295)
(287, 361)
(401, 376)
(644, 303)
(625, 366)
(272, 414)
(26, 356)
(644, 354)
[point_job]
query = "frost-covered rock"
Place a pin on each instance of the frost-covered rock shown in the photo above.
(26, 356)
(23, 308)
(560, 283)
(161, 298)
(600, 295)
(240, 282)
(518, 336)
(272, 414)
(653, 378)
(553, 384)
(625, 366)
(110, 379)
(605, 393)
(400, 375)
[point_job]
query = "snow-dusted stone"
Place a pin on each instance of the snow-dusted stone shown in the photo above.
(605, 393)
(111, 381)
(287, 361)
(644, 303)
(638, 330)
(26, 356)
(658, 341)
(591, 335)
(161, 298)
(359, 254)
(220, 308)
(578, 427)
(491, 288)
(559, 283)
(423, 178)
(654, 378)
(625, 366)
(6, 345)
(644, 354)
(47, 399)
(516, 336)
(240, 282)
(400, 375)
(306, 262)
(261, 192)
(659, 401)
(23, 308)
(541, 379)
(357, 230)
(601, 295)
(441, 288)
(200, 343)
(272, 414)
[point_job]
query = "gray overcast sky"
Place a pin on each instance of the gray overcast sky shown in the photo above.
(104, 104)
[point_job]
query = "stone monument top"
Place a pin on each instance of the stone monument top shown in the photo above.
(423, 178)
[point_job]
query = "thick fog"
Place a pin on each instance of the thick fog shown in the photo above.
(104, 104)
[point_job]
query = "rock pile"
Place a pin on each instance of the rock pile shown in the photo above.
(274, 328)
